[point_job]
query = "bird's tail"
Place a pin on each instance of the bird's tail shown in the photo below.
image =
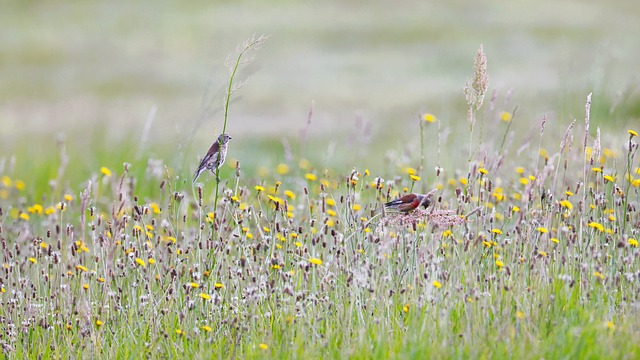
(197, 173)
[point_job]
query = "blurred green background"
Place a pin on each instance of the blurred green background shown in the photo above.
(92, 71)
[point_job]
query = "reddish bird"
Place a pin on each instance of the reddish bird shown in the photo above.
(215, 156)
(409, 202)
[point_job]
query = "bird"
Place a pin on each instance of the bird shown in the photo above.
(215, 156)
(409, 202)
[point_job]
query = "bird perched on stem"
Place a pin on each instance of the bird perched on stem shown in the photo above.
(215, 156)
(409, 202)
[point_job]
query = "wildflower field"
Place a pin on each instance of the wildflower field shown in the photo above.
(109, 250)
(526, 251)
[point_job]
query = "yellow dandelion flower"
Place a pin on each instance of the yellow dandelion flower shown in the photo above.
(414, 177)
(19, 184)
(259, 188)
(542, 230)
(405, 308)
(505, 116)
(542, 253)
(205, 297)
(543, 153)
(519, 314)
(599, 275)
(179, 332)
(463, 181)
(555, 240)
(290, 194)
(275, 199)
(263, 346)
(330, 223)
(310, 177)
(437, 284)
(331, 212)
(155, 208)
(140, 262)
(24, 216)
(609, 178)
(330, 202)
(496, 231)
(100, 280)
(356, 207)
(82, 268)
(315, 261)
(35, 209)
(566, 204)
(218, 285)
(430, 118)
(105, 171)
(632, 133)
(524, 181)
(569, 193)
(596, 169)
(6, 181)
(483, 171)
(520, 170)
(499, 263)
(515, 208)
(266, 229)
(99, 323)
(206, 328)
(85, 286)
(610, 325)
(33, 260)
(596, 225)
(633, 242)
(282, 169)
(410, 171)
(447, 233)
(304, 164)
(249, 235)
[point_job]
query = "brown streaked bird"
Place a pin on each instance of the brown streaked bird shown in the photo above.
(215, 156)
(409, 202)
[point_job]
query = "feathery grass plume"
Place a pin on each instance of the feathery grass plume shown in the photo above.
(245, 56)
(567, 140)
(597, 148)
(475, 91)
(587, 114)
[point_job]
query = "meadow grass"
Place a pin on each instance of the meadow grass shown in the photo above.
(530, 248)
(301, 261)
